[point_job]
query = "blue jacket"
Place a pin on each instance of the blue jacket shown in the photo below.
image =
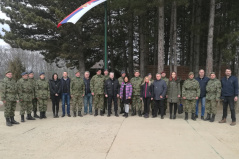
(203, 83)
(229, 86)
(159, 89)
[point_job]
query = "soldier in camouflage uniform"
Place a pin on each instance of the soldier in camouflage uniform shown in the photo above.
(77, 87)
(42, 94)
(106, 76)
(213, 89)
(9, 98)
(25, 94)
(34, 100)
(136, 84)
(121, 80)
(190, 93)
(165, 100)
(97, 91)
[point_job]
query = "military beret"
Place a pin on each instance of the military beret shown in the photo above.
(212, 73)
(77, 71)
(30, 72)
(190, 73)
(42, 73)
(8, 72)
(136, 71)
(162, 72)
(24, 73)
(122, 72)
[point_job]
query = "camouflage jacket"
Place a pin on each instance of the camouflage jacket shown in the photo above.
(33, 82)
(77, 86)
(42, 89)
(121, 80)
(97, 84)
(191, 89)
(213, 89)
(166, 80)
(136, 84)
(8, 90)
(25, 90)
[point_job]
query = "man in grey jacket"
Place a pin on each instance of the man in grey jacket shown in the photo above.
(159, 89)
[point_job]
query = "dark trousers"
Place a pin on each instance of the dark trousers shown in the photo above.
(230, 101)
(55, 103)
(146, 105)
(110, 99)
(159, 104)
(171, 105)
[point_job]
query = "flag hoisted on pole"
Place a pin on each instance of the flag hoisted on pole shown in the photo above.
(79, 12)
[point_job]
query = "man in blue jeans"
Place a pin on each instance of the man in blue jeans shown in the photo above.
(203, 80)
(88, 95)
(65, 90)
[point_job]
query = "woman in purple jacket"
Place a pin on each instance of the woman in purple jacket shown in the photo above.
(126, 94)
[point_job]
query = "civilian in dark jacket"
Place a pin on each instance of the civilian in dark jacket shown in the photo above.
(159, 92)
(55, 91)
(202, 80)
(65, 90)
(229, 95)
(112, 93)
(88, 95)
(146, 94)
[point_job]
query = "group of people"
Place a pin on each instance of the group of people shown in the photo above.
(106, 89)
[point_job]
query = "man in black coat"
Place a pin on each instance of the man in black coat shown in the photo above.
(159, 92)
(65, 91)
(112, 93)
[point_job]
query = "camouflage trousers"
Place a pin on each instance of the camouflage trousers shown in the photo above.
(190, 106)
(120, 103)
(10, 107)
(42, 104)
(25, 106)
(98, 101)
(34, 104)
(136, 102)
(211, 107)
(77, 103)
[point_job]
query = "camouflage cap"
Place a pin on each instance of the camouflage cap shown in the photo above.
(42, 73)
(190, 73)
(24, 73)
(77, 71)
(136, 71)
(122, 72)
(8, 71)
(212, 73)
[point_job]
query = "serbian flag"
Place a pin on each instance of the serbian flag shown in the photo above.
(78, 13)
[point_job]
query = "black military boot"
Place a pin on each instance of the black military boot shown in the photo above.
(29, 117)
(133, 112)
(193, 117)
(35, 114)
(74, 114)
(8, 122)
(96, 112)
(213, 118)
(208, 117)
(79, 114)
(140, 115)
(101, 113)
(22, 118)
(44, 114)
(196, 116)
(126, 115)
(13, 121)
(186, 116)
(41, 115)
(116, 114)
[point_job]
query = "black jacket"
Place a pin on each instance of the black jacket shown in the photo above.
(146, 92)
(87, 86)
(65, 84)
(112, 87)
(55, 87)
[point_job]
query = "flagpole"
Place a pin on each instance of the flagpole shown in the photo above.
(106, 50)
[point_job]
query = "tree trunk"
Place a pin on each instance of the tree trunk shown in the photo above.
(142, 48)
(209, 64)
(161, 37)
(130, 46)
(197, 37)
(171, 39)
(81, 53)
(175, 55)
(192, 39)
